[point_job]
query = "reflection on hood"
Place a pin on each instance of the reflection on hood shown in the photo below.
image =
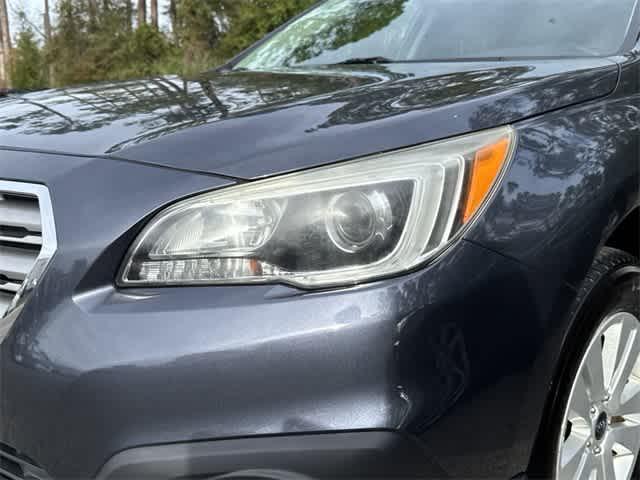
(307, 113)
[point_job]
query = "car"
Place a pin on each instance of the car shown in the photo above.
(394, 239)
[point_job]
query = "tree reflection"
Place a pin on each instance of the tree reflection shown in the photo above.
(385, 100)
(160, 105)
(357, 23)
(332, 27)
(562, 174)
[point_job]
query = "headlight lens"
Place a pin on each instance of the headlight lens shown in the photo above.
(330, 226)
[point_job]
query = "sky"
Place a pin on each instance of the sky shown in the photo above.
(35, 8)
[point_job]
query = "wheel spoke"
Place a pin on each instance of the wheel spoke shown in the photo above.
(604, 466)
(580, 402)
(577, 465)
(622, 464)
(593, 373)
(610, 348)
(627, 434)
(626, 359)
(630, 400)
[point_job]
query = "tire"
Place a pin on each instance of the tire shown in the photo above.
(585, 435)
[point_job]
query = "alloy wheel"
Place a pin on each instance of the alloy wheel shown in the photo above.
(600, 439)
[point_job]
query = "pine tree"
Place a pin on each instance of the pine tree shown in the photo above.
(28, 70)
(200, 25)
(68, 44)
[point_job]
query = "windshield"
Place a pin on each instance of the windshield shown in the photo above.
(412, 30)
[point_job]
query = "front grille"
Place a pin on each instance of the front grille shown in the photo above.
(15, 466)
(20, 242)
(27, 237)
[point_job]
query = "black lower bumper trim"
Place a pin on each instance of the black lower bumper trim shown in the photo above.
(352, 455)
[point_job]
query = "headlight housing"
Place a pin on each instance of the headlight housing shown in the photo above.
(330, 226)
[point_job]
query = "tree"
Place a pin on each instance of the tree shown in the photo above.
(142, 12)
(48, 35)
(200, 25)
(5, 45)
(47, 21)
(84, 50)
(93, 13)
(28, 63)
(173, 14)
(154, 14)
(129, 13)
(93, 40)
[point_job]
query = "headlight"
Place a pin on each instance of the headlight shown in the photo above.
(330, 226)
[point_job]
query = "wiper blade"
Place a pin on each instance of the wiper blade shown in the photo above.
(365, 61)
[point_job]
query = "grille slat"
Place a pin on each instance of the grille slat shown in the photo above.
(16, 263)
(9, 286)
(13, 467)
(21, 212)
(6, 474)
(27, 240)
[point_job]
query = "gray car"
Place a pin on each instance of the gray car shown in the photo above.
(394, 239)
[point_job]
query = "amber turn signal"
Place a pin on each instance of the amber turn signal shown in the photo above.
(487, 165)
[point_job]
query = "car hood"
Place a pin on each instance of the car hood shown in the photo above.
(253, 124)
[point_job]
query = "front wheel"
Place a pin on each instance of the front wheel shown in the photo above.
(599, 434)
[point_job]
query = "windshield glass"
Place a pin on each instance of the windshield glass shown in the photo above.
(412, 30)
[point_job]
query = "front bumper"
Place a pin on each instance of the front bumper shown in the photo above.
(455, 356)
(349, 455)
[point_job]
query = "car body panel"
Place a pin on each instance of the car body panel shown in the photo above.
(296, 120)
